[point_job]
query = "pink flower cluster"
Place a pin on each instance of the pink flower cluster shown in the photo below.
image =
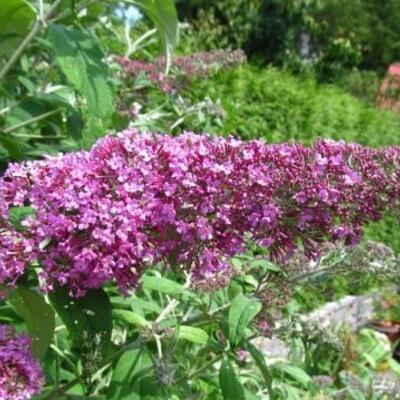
(191, 202)
(20, 374)
(184, 68)
(16, 249)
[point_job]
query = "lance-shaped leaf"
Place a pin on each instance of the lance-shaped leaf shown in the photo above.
(231, 388)
(164, 16)
(242, 310)
(16, 17)
(38, 317)
(193, 334)
(88, 318)
(80, 58)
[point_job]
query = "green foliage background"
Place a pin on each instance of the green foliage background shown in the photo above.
(277, 106)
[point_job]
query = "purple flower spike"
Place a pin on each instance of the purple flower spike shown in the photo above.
(20, 374)
(190, 201)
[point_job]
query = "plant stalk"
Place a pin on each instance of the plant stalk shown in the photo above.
(31, 121)
(55, 394)
(200, 370)
(38, 25)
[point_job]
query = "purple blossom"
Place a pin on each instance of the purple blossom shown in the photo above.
(16, 249)
(191, 202)
(264, 327)
(242, 355)
(20, 374)
(185, 68)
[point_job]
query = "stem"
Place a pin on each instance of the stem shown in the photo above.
(128, 39)
(55, 394)
(57, 366)
(173, 304)
(206, 317)
(41, 10)
(141, 39)
(38, 137)
(39, 23)
(170, 307)
(259, 360)
(31, 121)
(310, 273)
(200, 370)
(68, 13)
(159, 346)
(59, 353)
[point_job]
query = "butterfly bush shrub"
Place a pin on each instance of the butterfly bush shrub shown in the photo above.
(20, 373)
(185, 68)
(190, 202)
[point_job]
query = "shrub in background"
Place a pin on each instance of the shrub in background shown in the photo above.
(324, 33)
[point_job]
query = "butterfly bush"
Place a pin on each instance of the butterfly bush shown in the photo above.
(191, 202)
(16, 249)
(20, 373)
(199, 64)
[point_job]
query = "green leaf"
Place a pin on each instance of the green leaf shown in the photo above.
(130, 317)
(28, 84)
(164, 285)
(230, 386)
(259, 359)
(86, 318)
(195, 335)
(294, 372)
(63, 98)
(242, 310)
(129, 369)
(150, 389)
(16, 17)
(164, 16)
(38, 316)
(18, 214)
(265, 265)
(8, 313)
(144, 305)
(394, 365)
(79, 56)
(355, 394)
(291, 392)
(15, 148)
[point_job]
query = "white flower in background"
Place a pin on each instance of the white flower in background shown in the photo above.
(129, 14)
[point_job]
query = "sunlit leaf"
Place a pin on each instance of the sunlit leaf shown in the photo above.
(80, 58)
(130, 318)
(242, 310)
(231, 388)
(38, 317)
(193, 334)
(16, 17)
